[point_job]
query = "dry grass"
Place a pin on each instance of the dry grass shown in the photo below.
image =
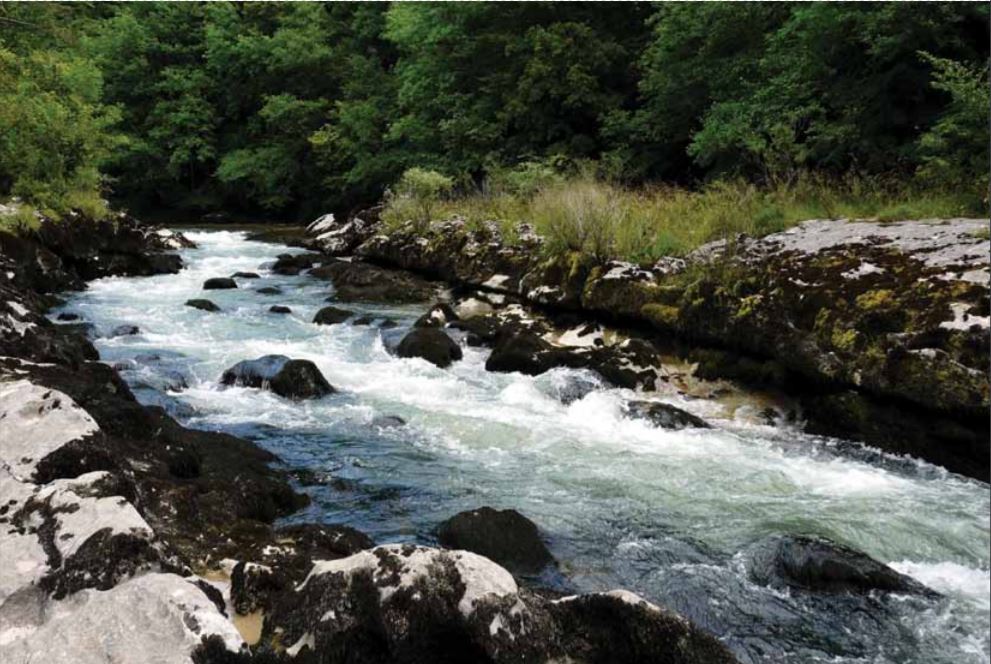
(609, 221)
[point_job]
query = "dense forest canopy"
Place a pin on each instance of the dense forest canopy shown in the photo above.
(290, 109)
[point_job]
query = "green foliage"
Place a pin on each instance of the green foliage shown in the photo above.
(416, 196)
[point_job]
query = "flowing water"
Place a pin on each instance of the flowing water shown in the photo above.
(669, 515)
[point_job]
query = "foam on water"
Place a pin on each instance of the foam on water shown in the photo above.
(663, 513)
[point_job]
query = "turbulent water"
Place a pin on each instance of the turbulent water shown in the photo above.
(669, 515)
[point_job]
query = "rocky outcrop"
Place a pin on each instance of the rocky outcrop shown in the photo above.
(893, 313)
(415, 604)
(293, 379)
(430, 344)
(504, 536)
(816, 564)
(361, 282)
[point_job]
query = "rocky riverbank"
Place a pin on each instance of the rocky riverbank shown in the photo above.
(128, 536)
(880, 330)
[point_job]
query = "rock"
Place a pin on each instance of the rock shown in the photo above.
(388, 324)
(338, 239)
(415, 604)
(294, 379)
(663, 415)
(430, 344)
(245, 275)
(439, 315)
(568, 387)
(388, 421)
(205, 305)
(219, 283)
(527, 353)
(816, 564)
(269, 290)
(279, 309)
(503, 536)
(290, 264)
(362, 321)
(332, 316)
(68, 316)
(124, 331)
(356, 281)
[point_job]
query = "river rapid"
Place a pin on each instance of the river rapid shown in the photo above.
(667, 514)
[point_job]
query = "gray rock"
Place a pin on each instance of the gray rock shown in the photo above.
(205, 305)
(431, 344)
(332, 316)
(663, 415)
(503, 536)
(219, 283)
(294, 379)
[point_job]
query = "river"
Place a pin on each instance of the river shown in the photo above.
(667, 514)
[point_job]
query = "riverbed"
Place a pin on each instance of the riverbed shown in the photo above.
(667, 514)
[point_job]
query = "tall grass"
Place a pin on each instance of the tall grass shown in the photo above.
(609, 221)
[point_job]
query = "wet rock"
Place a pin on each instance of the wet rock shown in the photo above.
(388, 324)
(430, 344)
(269, 290)
(331, 316)
(663, 415)
(415, 604)
(341, 238)
(439, 315)
(279, 309)
(124, 331)
(503, 536)
(568, 387)
(361, 321)
(289, 264)
(68, 316)
(294, 379)
(527, 353)
(816, 564)
(205, 305)
(361, 282)
(219, 283)
(388, 421)
(245, 275)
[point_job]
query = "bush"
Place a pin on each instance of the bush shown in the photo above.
(582, 215)
(416, 196)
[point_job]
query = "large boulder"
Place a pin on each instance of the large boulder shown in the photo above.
(294, 379)
(219, 283)
(527, 353)
(406, 603)
(503, 536)
(663, 415)
(205, 305)
(817, 564)
(431, 344)
(341, 238)
(332, 316)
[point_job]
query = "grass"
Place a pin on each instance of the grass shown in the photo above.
(25, 217)
(608, 221)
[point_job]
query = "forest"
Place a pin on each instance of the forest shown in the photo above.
(285, 111)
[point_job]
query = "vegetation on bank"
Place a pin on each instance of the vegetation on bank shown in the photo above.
(293, 109)
(604, 220)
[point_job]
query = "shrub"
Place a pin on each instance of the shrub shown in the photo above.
(582, 215)
(416, 196)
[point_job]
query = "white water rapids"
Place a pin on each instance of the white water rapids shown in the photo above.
(665, 514)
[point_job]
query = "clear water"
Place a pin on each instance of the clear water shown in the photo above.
(666, 514)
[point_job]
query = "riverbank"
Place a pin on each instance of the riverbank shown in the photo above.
(880, 329)
(162, 538)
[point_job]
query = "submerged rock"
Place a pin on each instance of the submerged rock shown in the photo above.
(269, 290)
(279, 309)
(332, 316)
(503, 536)
(388, 421)
(289, 264)
(431, 344)
(816, 564)
(205, 305)
(68, 316)
(663, 415)
(124, 331)
(294, 379)
(417, 604)
(219, 283)
(246, 275)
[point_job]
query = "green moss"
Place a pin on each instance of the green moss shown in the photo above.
(845, 339)
(661, 316)
(748, 305)
(876, 299)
